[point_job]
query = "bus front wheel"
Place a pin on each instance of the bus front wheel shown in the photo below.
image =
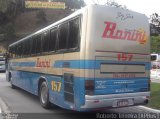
(44, 95)
(12, 85)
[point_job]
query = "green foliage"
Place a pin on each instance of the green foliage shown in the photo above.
(155, 96)
(155, 19)
(112, 3)
(155, 24)
(9, 9)
(155, 44)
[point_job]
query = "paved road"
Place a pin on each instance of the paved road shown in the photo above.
(27, 106)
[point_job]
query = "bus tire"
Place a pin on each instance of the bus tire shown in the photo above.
(44, 95)
(12, 85)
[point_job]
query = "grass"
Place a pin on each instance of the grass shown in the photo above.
(155, 96)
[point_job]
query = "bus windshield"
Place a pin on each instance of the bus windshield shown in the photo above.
(153, 57)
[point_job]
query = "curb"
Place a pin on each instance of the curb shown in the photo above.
(149, 109)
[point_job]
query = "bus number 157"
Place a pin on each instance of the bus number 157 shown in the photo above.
(56, 86)
(124, 57)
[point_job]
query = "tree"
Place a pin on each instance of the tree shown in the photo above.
(155, 44)
(112, 3)
(155, 19)
(155, 24)
(8, 12)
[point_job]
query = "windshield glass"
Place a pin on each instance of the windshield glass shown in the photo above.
(153, 57)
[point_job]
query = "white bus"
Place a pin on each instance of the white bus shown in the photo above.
(96, 58)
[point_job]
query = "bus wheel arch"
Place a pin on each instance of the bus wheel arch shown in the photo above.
(10, 79)
(43, 93)
(9, 76)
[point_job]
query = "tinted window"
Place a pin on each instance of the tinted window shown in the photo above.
(14, 51)
(153, 57)
(52, 40)
(39, 44)
(19, 49)
(74, 33)
(45, 41)
(34, 44)
(26, 47)
(63, 36)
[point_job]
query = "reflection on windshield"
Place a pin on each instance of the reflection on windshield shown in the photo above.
(153, 57)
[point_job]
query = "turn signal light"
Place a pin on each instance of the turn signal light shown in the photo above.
(89, 85)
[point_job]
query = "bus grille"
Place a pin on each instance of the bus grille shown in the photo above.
(68, 88)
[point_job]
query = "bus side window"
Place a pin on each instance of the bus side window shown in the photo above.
(74, 33)
(63, 36)
(19, 50)
(38, 44)
(24, 48)
(29, 47)
(25, 45)
(45, 41)
(53, 39)
(34, 45)
(10, 52)
(14, 51)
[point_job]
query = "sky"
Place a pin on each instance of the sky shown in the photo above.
(147, 7)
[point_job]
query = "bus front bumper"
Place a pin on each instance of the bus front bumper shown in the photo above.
(115, 100)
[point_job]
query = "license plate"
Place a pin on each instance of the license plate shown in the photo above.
(122, 103)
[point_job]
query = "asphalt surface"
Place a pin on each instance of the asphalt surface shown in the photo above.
(17, 103)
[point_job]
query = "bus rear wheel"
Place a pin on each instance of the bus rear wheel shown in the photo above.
(44, 95)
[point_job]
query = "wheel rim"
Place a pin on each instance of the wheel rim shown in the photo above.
(44, 94)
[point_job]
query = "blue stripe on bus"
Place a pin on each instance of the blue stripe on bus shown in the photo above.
(81, 64)
(23, 64)
(93, 64)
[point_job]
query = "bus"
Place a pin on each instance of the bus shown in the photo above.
(155, 66)
(96, 58)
